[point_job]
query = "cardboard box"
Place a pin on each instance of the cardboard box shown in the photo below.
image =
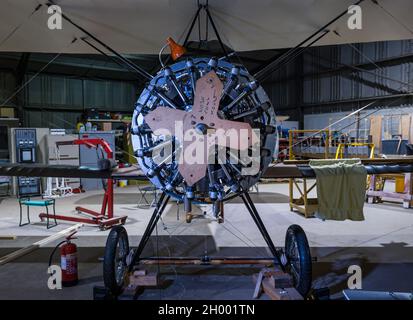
(106, 126)
(7, 112)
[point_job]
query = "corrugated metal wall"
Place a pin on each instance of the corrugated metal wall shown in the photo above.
(332, 78)
(55, 92)
(50, 119)
(57, 101)
(391, 121)
(7, 87)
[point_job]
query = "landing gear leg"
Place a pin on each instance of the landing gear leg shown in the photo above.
(119, 261)
(277, 253)
(296, 259)
(157, 213)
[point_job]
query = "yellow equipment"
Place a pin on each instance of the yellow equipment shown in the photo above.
(342, 146)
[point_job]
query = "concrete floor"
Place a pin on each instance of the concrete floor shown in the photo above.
(382, 245)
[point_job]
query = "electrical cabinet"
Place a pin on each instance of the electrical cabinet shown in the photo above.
(26, 145)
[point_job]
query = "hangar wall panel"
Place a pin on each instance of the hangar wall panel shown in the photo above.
(7, 87)
(392, 118)
(344, 77)
(50, 119)
(47, 93)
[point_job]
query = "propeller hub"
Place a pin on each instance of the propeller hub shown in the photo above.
(201, 128)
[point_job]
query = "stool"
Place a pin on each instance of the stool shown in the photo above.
(143, 198)
(5, 182)
(37, 203)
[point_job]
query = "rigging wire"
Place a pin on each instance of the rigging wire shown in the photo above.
(36, 74)
(266, 70)
(345, 117)
(298, 52)
(127, 62)
(359, 51)
(406, 86)
(199, 27)
(21, 24)
(253, 246)
(399, 21)
(364, 70)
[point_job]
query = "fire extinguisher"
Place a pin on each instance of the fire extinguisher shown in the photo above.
(68, 261)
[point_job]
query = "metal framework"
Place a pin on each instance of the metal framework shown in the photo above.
(156, 215)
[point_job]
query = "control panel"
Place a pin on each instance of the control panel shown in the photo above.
(25, 144)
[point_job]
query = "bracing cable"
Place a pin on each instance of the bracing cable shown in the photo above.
(401, 23)
(267, 70)
(21, 24)
(36, 74)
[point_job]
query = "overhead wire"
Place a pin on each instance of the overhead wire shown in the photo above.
(254, 245)
(267, 70)
(405, 86)
(364, 70)
(127, 62)
(399, 21)
(298, 52)
(21, 24)
(343, 118)
(36, 74)
(251, 245)
(231, 46)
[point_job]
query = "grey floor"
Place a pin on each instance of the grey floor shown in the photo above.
(382, 245)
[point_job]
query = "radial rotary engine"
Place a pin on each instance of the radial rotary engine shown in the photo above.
(241, 100)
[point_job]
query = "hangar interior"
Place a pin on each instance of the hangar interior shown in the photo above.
(343, 97)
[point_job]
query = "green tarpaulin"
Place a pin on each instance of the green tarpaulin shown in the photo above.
(341, 188)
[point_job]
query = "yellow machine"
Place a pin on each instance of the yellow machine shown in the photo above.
(341, 147)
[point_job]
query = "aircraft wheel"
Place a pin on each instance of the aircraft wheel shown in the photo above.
(299, 262)
(114, 262)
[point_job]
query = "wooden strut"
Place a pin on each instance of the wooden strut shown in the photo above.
(26, 250)
(8, 237)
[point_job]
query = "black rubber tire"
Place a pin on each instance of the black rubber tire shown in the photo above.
(295, 236)
(113, 278)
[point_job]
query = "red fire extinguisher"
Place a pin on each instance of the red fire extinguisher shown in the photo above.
(68, 261)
